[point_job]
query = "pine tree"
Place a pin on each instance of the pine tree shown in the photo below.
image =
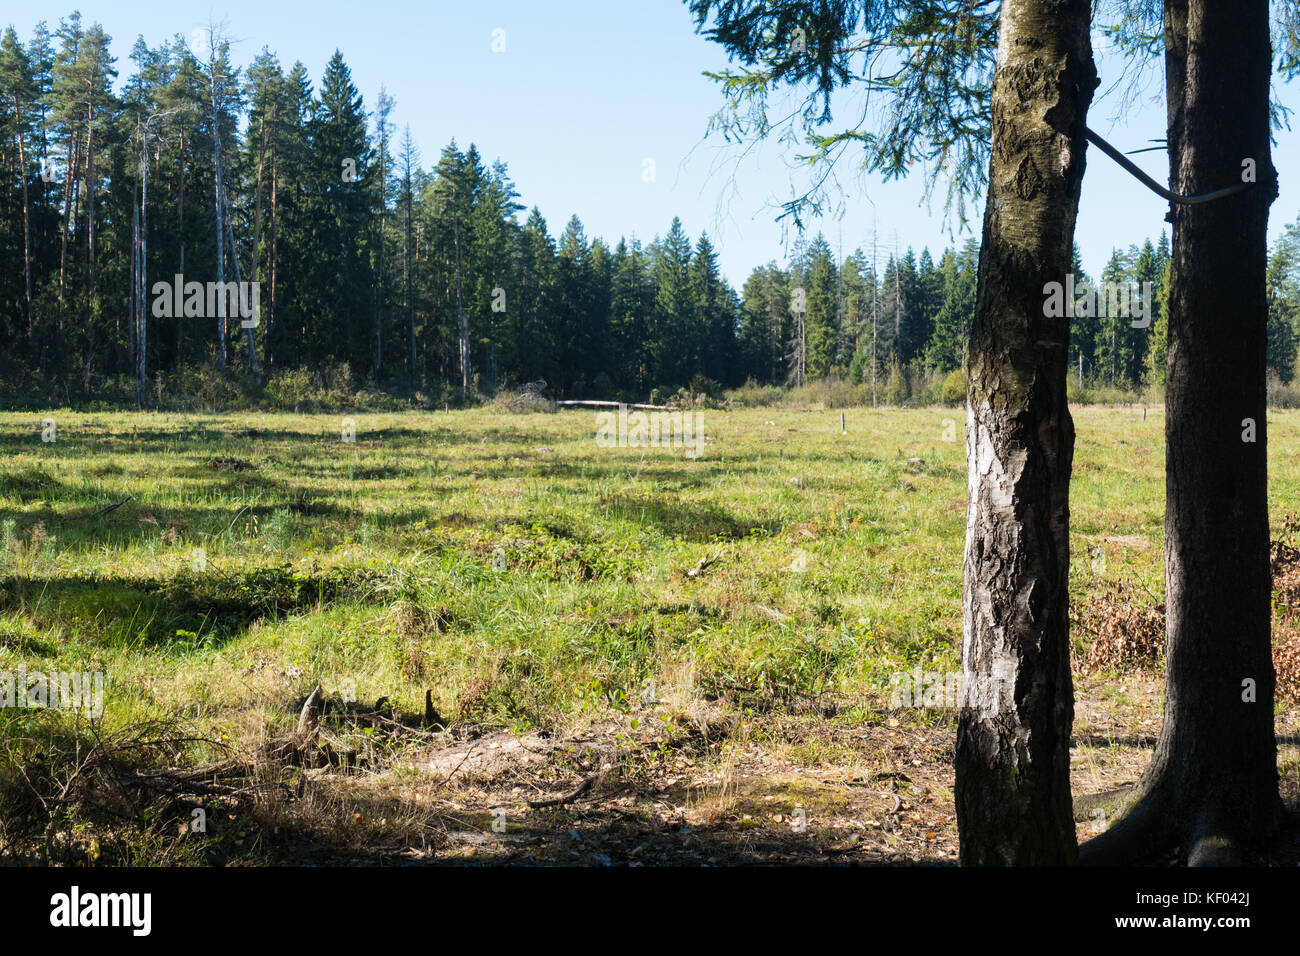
(714, 321)
(410, 164)
(670, 336)
(340, 203)
(1157, 354)
(947, 347)
(820, 319)
(17, 97)
(1283, 288)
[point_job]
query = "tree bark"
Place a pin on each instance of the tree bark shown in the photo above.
(218, 204)
(134, 269)
(142, 366)
(1012, 756)
(88, 310)
(180, 233)
(1212, 788)
(275, 234)
(142, 313)
(253, 273)
(69, 183)
(27, 242)
(410, 296)
(462, 319)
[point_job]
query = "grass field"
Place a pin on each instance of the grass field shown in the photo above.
(539, 586)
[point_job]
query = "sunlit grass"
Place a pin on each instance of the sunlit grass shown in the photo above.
(256, 555)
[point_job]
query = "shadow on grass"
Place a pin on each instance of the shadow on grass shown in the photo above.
(687, 521)
(191, 609)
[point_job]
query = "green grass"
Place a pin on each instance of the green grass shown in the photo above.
(268, 537)
(523, 573)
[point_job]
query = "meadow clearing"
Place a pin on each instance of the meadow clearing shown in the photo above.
(629, 654)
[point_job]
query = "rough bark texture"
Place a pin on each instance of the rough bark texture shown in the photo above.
(1012, 758)
(27, 242)
(1211, 788)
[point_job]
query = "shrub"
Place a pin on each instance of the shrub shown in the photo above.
(753, 395)
(953, 391)
(895, 389)
(1280, 394)
(290, 388)
(529, 397)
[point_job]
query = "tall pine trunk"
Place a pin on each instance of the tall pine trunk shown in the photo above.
(180, 233)
(462, 319)
(219, 208)
(410, 293)
(142, 279)
(1212, 788)
(253, 274)
(71, 161)
(1012, 756)
(88, 310)
(275, 233)
(134, 269)
(27, 242)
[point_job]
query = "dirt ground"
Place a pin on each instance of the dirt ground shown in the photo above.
(708, 788)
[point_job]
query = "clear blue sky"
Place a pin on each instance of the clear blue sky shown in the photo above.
(587, 90)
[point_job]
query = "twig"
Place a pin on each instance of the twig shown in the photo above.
(898, 802)
(569, 797)
(704, 563)
(107, 508)
(457, 767)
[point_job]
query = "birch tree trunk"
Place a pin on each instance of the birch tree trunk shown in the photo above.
(1012, 757)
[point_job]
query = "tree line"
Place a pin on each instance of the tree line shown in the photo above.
(410, 277)
(430, 279)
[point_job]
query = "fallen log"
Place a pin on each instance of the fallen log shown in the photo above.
(586, 403)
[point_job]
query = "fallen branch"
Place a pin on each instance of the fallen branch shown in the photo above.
(569, 797)
(585, 403)
(696, 571)
(898, 801)
(107, 508)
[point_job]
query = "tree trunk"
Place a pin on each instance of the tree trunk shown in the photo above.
(462, 319)
(27, 242)
(219, 207)
(142, 313)
(1212, 788)
(275, 233)
(239, 281)
(257, 202)
(1012, 756)
(410, 297)
(87, 312)
(134, 269)
(70, 161)
(180, 233)
(253, 273)
(383, 211)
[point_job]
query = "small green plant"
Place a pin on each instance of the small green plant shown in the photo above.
(278, 531)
